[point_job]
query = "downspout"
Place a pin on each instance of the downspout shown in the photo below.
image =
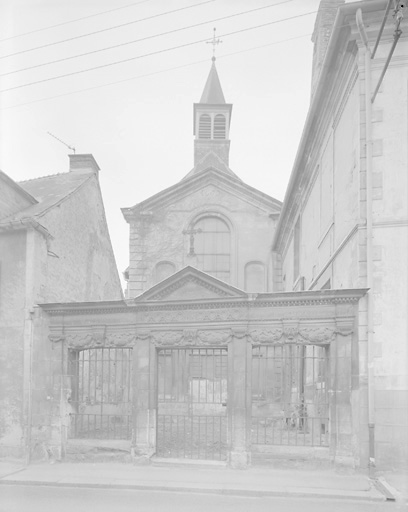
(369, 242)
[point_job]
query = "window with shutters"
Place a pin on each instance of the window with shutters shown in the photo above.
(204, 131)
(219, 126)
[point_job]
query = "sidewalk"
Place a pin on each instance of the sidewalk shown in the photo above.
(218, 480)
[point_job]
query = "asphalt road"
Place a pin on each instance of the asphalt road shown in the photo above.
(20, 498)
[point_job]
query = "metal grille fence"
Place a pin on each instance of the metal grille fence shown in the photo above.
(289, 395)
(101, 393)
(192, 396)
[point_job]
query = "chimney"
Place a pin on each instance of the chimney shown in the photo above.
(83, 163)
(321, 35)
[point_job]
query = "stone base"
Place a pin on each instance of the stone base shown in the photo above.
(141, 455)
(239, 460)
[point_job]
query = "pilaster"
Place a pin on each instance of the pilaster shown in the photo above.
(144, 410)
(239, 386)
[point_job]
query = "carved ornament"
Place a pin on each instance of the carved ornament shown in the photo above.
(120, 339)
(167, 338)
(318, 335)
(266, 335)
(291, 332)
(214, 337)
(191, 337)
(56, 337)
(239, 332)
(344, 326)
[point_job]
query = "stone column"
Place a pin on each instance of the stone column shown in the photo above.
(239, 398)
(144, 409)
(341, 427)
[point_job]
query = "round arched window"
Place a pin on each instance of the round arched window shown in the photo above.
(213, 247)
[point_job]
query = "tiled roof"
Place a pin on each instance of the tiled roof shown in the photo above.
(48, 191)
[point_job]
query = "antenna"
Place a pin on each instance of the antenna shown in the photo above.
(62, 142)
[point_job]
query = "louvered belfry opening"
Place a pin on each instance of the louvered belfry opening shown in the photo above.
(219, 127)
(204, 131)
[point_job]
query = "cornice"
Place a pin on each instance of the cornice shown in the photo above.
(265, 300)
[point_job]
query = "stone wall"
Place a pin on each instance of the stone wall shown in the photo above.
(157, 235)
(80, 261)
(12, 318)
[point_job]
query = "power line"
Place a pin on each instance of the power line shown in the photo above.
(145, 38)
(153, 53)
(73, 21)
(153, 73)
(106, 29)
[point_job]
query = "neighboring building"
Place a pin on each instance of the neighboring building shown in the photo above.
(210, 220)
(338, 193)
(54, 247)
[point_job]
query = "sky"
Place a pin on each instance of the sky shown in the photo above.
(136, 117)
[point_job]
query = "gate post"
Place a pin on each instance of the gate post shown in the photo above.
(239, 399)
(144, 411)
(341, 443)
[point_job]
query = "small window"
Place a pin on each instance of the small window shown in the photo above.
(255, 277)
(219, 127)
(163, 270)
(204, 131)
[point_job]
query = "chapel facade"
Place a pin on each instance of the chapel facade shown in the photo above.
(204, 359)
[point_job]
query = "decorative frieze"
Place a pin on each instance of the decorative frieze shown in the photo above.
(191, 337)
(266, 335)
(293, 333)
(317, 335)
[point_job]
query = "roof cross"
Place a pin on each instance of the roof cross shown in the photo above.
(214, 41)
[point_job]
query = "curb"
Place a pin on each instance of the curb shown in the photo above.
(199, 490)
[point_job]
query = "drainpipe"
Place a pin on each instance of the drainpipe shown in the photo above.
(369, 233)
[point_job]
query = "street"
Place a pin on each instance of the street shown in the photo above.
(20, 498)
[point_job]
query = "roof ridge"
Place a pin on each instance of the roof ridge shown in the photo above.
(43, 177)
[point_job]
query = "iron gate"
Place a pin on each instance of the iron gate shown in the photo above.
(290, 395)
(101, 393)
(192, 399)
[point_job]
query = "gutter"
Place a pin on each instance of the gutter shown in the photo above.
(369, 242)
(25, 223)
(344, 10)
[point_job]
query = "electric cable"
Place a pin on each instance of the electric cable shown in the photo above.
(153, 73)
(164, 50)
(73, 21)
(106, 29)
(143, 38)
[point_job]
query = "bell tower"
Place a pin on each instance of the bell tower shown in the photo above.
(212, 117)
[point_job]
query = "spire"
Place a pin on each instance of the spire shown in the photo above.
(212, 93)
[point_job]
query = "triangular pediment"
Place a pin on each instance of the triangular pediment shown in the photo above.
(198, 181)
(190, 284)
